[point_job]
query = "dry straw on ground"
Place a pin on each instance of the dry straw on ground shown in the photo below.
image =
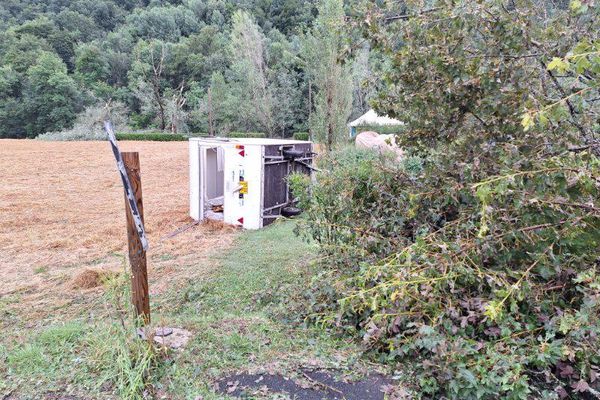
(91, 278)
(62, 213)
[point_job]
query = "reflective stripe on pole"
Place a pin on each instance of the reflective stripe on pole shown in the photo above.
(135, 213)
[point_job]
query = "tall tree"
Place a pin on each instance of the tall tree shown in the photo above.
(361, 74)
(285, 77)
(51, 96)
(215, 109)
(12, 110)
(176, 114)
(331, 78)
(250, 71)
(92, 68)
(147, 79)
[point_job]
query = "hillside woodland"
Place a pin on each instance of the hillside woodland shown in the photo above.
(194, 66)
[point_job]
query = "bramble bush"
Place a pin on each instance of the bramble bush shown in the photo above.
(475, 260)
(489, 303)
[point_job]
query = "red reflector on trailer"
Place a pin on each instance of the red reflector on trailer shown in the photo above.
(241, 147)
(241, 220)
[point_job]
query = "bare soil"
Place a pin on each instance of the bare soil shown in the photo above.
(62, 215)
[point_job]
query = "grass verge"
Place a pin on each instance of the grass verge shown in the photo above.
(239, 316)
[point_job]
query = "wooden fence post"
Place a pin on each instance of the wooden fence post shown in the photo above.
(137, 254)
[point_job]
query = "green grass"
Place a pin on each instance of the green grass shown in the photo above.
(29, 358)
(40, 270)
(46, 359)
(239, 315)
(259, 261)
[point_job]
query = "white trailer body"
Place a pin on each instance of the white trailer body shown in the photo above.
(243, 181)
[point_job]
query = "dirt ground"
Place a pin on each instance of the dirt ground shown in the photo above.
(62, 214)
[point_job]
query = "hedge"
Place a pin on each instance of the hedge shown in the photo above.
(301, 136)
(246, 135)
(154, 136)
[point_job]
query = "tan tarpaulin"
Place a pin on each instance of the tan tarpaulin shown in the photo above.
(382, 143)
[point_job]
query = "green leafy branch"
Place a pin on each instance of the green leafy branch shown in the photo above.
(494, 308)
(528, 118)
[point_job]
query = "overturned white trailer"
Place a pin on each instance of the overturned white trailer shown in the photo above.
(244, 181)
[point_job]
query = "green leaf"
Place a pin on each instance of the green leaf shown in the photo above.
(575, 5)
(527, 121)
(493, 310)
(543, 118)
(558, 64)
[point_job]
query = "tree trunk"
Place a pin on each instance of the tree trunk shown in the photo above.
(329, 119)
(211, 127)
(161, 107)
(310, 135)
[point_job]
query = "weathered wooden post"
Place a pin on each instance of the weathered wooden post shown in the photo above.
(137, 253)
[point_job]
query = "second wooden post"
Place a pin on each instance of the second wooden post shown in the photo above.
(137, 254)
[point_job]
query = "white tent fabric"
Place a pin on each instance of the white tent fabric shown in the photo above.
(371, 119)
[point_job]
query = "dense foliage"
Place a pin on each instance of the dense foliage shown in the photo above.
(246, 135)
(476, 258)
(181, 66)
(301, 136)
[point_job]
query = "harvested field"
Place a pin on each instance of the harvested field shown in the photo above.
(62, 215)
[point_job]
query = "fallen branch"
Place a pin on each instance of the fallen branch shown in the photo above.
(577, 149)
(321, 384)
(180, 230)
(408, 16)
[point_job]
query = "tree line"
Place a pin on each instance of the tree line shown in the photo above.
(273, 66)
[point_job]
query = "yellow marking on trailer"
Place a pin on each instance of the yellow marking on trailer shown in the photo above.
(244, 187)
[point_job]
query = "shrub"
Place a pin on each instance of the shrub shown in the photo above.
(381, 129)
(363, 229)
(246, 135)
(484, 275)
(152, 136)
(490, 289)
(301, 136)
(88, 125)
(197, 134)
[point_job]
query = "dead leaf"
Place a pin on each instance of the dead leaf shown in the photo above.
(561, 392)
(581, 386)
(566, 370)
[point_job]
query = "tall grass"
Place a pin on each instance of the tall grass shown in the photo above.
(123, 361)
(120, 357)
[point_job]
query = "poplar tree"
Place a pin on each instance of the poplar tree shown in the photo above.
(250, 71)
(323, 51)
